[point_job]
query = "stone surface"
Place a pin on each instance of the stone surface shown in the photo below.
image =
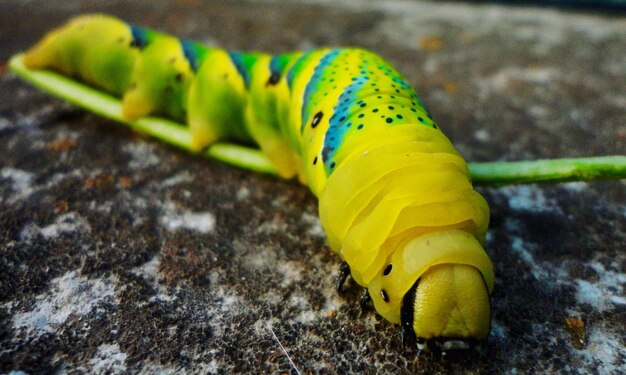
(120, 254)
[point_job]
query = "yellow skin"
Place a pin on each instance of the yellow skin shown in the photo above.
(65, 49)
(395, 197)
(162, 58)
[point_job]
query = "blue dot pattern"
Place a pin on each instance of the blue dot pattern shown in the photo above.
(317, 79)
(377, 96)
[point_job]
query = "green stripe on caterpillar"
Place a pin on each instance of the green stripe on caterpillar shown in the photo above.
(396, 201)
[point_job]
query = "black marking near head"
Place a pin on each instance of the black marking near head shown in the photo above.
(437, 345)
(342, 275)
(407, 310)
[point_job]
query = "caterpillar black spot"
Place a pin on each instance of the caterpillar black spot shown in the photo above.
(396, 201)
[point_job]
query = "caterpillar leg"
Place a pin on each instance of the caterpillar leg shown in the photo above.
(365, 301)
(342, 276)
(135, 105)
(281, 155)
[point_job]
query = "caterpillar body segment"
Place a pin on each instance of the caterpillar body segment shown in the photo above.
(106, 64)
(217, 101)
(266, 111)
(396, 201)
(160, 81)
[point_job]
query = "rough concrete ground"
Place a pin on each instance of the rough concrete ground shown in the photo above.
(120, 254)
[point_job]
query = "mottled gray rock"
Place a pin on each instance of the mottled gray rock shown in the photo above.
(121, 254)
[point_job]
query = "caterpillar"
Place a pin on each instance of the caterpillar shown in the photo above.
(395, 197)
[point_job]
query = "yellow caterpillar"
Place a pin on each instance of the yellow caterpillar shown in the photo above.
(396, 200)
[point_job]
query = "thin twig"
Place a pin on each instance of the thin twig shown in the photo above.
(283, 349)
(549, 170)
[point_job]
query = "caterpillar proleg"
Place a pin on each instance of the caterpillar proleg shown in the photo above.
(396, 200)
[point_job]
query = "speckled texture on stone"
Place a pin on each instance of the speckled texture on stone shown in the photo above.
(120, 254)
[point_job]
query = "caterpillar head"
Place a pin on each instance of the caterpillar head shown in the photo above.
(448, 305)
(437, 286)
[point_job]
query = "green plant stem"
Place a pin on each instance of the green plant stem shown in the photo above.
(549, 170)
(490, 173)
